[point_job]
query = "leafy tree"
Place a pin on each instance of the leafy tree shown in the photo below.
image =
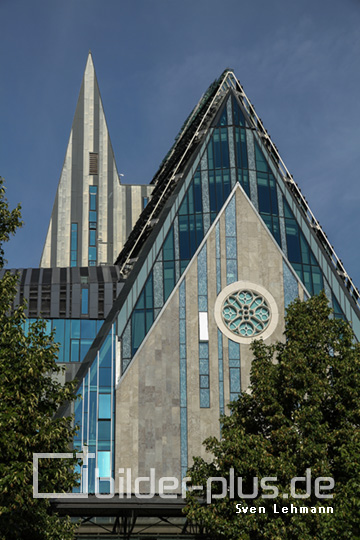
(302, 411)
(29, 397)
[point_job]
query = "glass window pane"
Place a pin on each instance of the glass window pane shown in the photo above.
(84, 301)
(105, 353)
(261, 164)
(169, 278)
(104, 377)
(168, 248)
(92, 202)
(204, 398)
(225, 149)
(92, 253)
(104, 406)
(104, 464)
(104, 430)
(88, 329)
(75, 350)
(85, 345)
(92, 237)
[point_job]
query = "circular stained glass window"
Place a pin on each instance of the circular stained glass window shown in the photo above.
(246, 313)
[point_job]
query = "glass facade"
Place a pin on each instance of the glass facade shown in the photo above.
(300, 254)
(95, 415)
(74, 336)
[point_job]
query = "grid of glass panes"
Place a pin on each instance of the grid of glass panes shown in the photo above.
(74, 336)
(267, 194)
(300, 254)
(94, 414)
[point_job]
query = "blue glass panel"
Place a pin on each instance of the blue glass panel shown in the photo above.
(86, 395)
(74, 231)
(212, 191)
(292, 240)
(317, 278)
(92, 237)
(75, 350)
(104, 406)
(231, 271)
(197, 193)
(210, 154)
(217, 149)
(226, 183)
(93, 376)
(67, 341)
(223, 117)
(168, 248)
(92, 216)
(192, 234)
(204, 350)
(204, 366)
(203, 305)
(234, 350)
(239, 119)
(104, 445)
(204, 398)
(219, 190)
(184, 237)
(234, 363)
(92, 189)
(199, 229)
(104, 377)
(104, 430)
(190, 195)
(261, 164)
(169, 278)
(224, 148)
(92, 417)
(105, 352)
(204, 381)
(338, 312)
(104, 464)
(92, 202)
(75, 328)
(98, 325)
(234, 380)
(85, 345)
(183, 210)
(92, 254)
(84, 301)
(88, 329)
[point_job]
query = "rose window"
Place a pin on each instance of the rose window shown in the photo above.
(246, 313)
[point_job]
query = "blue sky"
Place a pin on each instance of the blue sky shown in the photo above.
(299, 63)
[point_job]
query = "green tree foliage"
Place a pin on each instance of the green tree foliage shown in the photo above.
(29, 397)
(302, 411)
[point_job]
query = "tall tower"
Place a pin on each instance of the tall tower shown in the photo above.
(93, 212)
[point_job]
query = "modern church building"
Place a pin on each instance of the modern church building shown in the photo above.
(157, 291)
